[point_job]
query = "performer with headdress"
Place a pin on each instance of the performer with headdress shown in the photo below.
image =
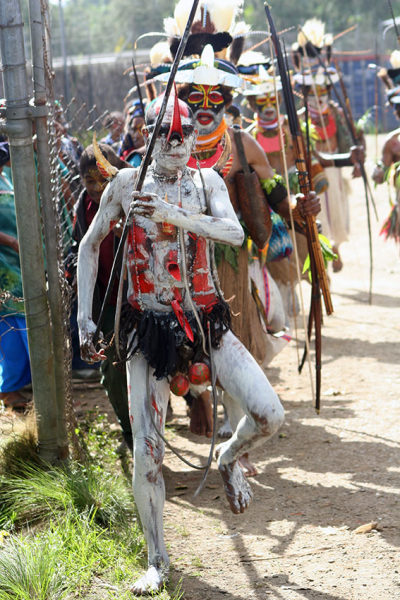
(388, 168)
(263, 97)
(333, 146)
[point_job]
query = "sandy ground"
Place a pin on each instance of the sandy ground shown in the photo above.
(322, 476)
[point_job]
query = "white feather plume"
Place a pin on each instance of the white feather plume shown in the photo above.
(313, 30)
(160, 54)
(395, 59)
(223, 12)
(251, 58)
(181, 14)
(171, 27)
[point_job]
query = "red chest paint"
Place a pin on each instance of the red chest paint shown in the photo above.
(140, 257)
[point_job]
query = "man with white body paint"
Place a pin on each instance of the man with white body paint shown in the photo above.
(159, 306)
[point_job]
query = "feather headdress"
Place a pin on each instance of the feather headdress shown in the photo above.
(215, 23)
(311, 42)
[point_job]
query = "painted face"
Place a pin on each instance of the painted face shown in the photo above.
(175, 153)
(94, 183)
(207, 104)
(265, 106)
(319, 102)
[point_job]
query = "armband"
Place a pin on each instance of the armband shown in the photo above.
(343, 161)
(274, 189)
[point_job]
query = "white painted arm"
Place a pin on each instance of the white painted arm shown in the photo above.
(222, 226)
(110, 211)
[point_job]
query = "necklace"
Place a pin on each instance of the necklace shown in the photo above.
(166, 178)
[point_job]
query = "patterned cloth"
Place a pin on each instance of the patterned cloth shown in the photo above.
(10, 269)
(14, 354)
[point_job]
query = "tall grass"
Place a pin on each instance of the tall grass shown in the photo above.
(62, 558)
(37, 494)
(73, 530)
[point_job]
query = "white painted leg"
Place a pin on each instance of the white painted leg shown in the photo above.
(245, 383)
(148, 454)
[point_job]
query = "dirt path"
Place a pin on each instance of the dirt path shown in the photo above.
(323, 476)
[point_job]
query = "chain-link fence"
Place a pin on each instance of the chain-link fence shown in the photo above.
(54, 136)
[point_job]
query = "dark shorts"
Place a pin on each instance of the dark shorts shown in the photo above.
(163, 342)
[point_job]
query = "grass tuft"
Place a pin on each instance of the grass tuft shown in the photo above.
(37, 494)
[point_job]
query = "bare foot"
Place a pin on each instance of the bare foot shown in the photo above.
(151, 582)
(14, 400)
(248, 468)
(225, 432)
(237, 489)
(201, 417)
(337, 265)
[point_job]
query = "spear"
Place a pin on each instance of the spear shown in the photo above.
(317, 265)
(139, 91)
(144, 166)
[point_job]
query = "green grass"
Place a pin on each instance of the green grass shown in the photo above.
(73, 531)
(36, 494)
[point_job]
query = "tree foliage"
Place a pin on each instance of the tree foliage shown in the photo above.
(95, 26)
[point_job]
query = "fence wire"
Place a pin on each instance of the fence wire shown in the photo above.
(70, 129)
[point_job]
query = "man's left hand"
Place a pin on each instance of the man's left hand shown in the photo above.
(308, 205)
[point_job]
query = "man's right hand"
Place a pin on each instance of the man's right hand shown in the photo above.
(88, 352)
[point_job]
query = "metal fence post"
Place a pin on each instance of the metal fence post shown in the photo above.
(50, 220)
(19, 130)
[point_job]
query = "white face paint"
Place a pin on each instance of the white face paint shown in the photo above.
(214, 120)
(174, 155)
(169, 156)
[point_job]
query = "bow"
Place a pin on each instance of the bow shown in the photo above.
(317, 265)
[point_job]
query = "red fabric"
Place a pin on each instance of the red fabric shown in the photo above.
(139, 266)
(330, 128)
(270, 144)
(106, 254)
(207, 163)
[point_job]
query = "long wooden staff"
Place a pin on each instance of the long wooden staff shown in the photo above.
(317, 264)
(144, 166)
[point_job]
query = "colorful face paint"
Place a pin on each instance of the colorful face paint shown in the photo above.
(207, 104)
(265, 106)
(319, 102)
